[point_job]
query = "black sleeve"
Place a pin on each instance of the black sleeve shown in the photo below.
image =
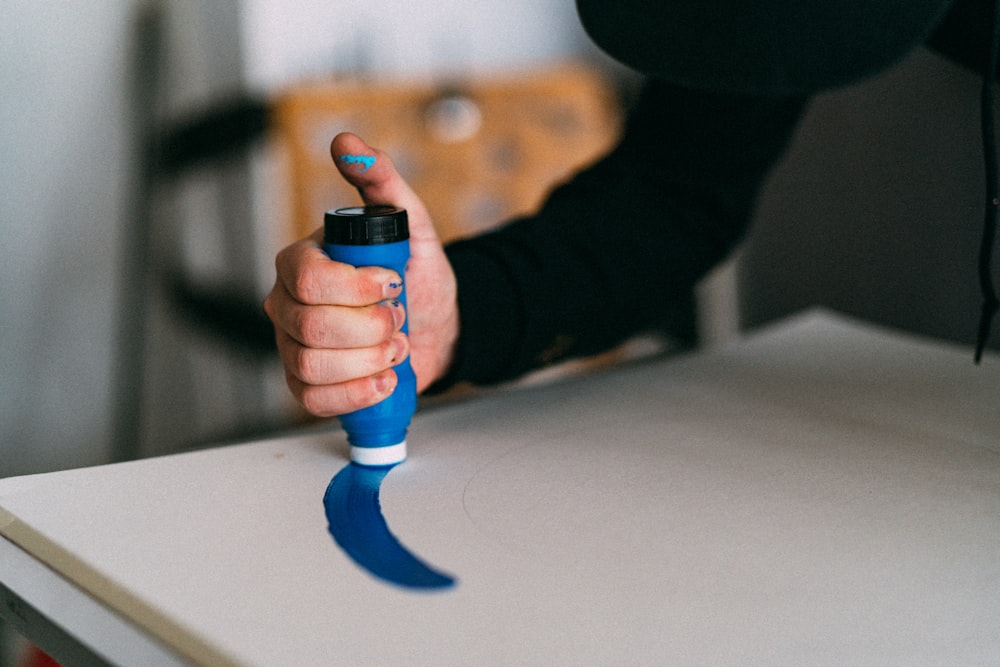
(610, 251)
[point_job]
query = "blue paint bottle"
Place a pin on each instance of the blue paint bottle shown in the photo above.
(376, 236)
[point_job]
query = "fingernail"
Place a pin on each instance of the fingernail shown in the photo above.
(399, 354)
(365, 161)
(398, 314)
(392, 289)
(383, 383)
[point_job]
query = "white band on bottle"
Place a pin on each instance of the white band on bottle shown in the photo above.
(379, 456)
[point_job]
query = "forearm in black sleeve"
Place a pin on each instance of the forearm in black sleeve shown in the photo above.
(610, 250)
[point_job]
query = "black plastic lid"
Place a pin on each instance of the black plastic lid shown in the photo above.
(366, 225)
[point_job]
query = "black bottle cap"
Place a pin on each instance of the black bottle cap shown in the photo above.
(365, 225)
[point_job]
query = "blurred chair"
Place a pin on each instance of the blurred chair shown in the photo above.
(478, 152)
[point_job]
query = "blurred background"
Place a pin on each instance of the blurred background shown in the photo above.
(155, 156)
(120, 255)
(82, 88)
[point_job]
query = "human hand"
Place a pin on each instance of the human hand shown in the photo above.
(336, 329)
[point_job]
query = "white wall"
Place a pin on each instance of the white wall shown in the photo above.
(67, 147)
(64, 141)
(876, 209)
(429, 38)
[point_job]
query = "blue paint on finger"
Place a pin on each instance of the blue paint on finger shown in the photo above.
(356, 523)
(366, 161)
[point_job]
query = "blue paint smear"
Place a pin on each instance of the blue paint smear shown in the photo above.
(366, 161)
(356, 523)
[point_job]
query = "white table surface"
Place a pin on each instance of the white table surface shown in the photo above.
(821, 493)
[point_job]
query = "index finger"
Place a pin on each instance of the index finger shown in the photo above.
(312, 278)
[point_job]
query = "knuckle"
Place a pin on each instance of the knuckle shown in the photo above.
(310, 326)
(362, 286)
(308, 397)
(306, 287)
(313, 400)
(308, 366)
(281, 259)
(268, 306)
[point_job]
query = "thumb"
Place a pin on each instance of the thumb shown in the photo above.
(372, 172)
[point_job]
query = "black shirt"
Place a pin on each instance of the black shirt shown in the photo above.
(611, 251)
